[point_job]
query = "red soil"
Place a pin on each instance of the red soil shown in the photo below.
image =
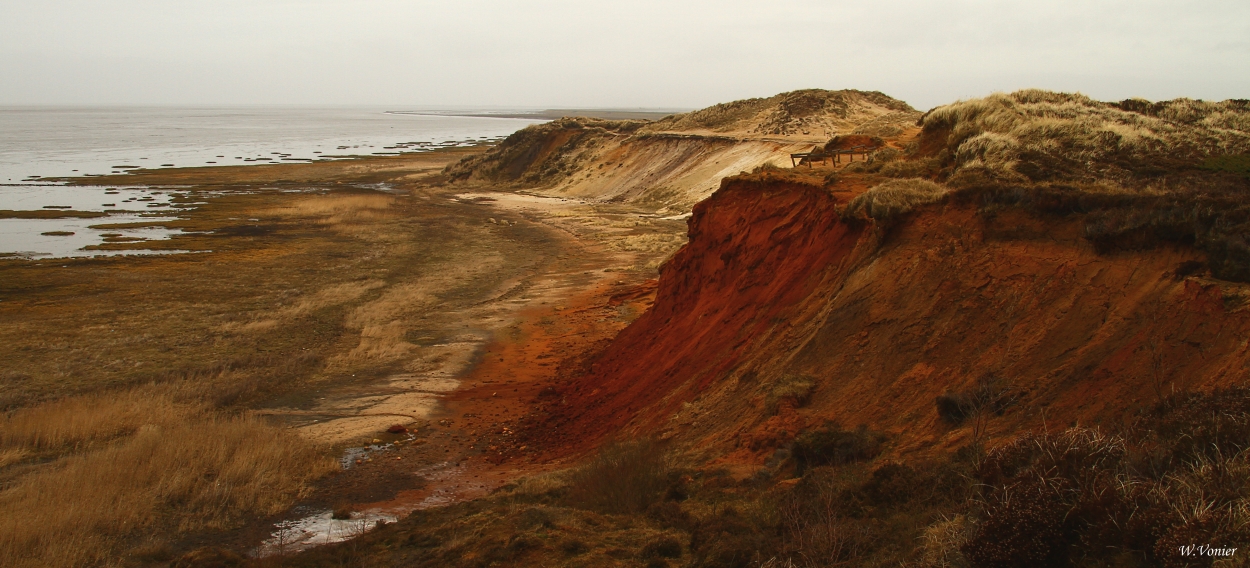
(756, 250)
(773, 283)
(474, 444)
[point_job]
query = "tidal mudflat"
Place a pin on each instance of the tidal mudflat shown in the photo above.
(48, 221)
(325, 303)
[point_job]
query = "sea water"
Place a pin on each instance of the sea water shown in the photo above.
(48, 142)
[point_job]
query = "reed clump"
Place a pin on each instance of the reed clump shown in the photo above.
(134, 464)
(1178, 477)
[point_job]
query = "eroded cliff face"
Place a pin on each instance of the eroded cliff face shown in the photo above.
(774, 285)
(671, 164)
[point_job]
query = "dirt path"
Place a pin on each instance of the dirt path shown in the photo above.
(460, 396)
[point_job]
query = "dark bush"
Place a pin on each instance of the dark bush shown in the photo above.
(341, 511)
(990, 394)
(824, 520)
(1023, 528)
(892, 484)
(573, 547)
(663, 547)
(670, 514)
(954, 407)
(728, 540)
(1187, 427)
(834, 446)
(1180, 476)
(624, 478)
(534, 518)
(1237, 164)
(1048, 494)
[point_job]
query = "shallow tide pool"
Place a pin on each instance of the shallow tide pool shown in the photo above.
(67, 237)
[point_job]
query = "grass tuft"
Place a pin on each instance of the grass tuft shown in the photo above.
(794, 389)
(894, 198)
(139, 463)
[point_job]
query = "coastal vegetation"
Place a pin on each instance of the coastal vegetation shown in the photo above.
(1073, 497)
(1012, 334)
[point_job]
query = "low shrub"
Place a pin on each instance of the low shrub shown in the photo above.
(728, 539)
(921, 168)
(834, 446)
(1046, 494)
(1237, 164)
(1060, 136)
(819, 518)
(797, 389)
(940, 543)
(1178, 477)
(662, 547)
(625, 477)
(990, 394)
(573, 547)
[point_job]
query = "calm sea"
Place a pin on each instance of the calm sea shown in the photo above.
(43, 142)
(66, 141)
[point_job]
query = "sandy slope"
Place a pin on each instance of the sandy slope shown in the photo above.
(676, 162)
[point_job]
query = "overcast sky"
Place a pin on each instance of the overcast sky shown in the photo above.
(621, 53)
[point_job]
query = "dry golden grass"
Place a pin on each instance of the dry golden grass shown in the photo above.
(332, 295)
(10, 456)
(338, 208)
(139, 463)
(1039, 134)
(940, 542)
(810, 111)
(893, 198)
(80, 423)
(661, 244)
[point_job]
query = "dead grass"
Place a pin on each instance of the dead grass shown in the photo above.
(335, 209)
(140, 463)
(1041, 135)
(1178, 476)
(807, 112)
(80, 423)
(894, 198)
(796, 389)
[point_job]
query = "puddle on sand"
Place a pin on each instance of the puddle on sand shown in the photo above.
(318, 529)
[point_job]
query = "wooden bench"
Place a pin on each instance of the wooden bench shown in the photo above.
(801, 158)
(837, 154)
(807, 158)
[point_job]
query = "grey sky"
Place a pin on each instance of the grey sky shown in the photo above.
(624, 53)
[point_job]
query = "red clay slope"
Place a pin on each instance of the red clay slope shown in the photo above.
(756, 250)
(772, 283)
